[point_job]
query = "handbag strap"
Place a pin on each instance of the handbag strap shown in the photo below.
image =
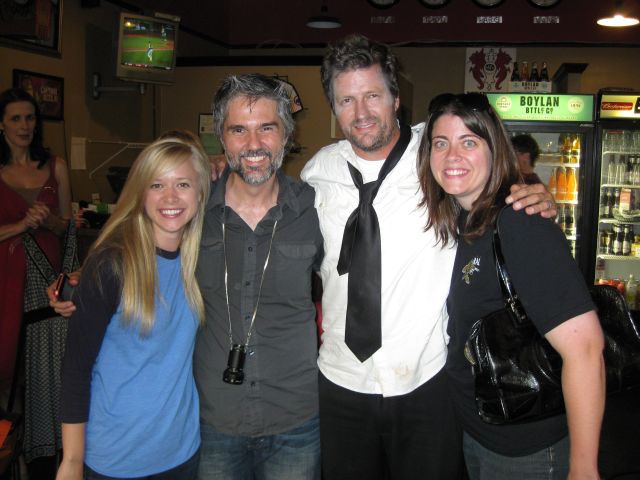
(511, 300)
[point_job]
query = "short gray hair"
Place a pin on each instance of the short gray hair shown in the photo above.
(254, 86)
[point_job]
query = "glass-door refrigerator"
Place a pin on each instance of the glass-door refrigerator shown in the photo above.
(563, 125)
(615, 257)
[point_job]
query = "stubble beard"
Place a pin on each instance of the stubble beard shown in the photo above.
(248, 173)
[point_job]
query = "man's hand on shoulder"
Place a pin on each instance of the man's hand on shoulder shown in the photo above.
(534, 199)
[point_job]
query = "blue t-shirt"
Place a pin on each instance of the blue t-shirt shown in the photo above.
(143, 411)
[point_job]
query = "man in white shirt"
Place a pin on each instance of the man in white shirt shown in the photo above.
(390, 414)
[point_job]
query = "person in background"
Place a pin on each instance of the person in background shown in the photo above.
(35, 208)
(261, 244)
(387, 412)
(129, 402)
(527, 152)
(466, 167)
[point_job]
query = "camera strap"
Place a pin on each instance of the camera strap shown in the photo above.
(226, 285)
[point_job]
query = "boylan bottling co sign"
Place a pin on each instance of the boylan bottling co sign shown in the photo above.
(543, 107)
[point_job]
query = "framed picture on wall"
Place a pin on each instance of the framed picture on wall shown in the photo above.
(46, 89)
(34, 25)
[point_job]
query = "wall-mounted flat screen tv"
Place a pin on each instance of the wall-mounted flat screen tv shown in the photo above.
(146, 49)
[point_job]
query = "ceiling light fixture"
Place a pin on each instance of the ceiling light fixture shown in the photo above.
(619, 18)
(324, 20)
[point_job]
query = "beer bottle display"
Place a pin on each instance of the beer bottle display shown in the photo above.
(544, 73)
(627, 240)
(561, 184)
(534, 77)
(602, 207)
(515, 74)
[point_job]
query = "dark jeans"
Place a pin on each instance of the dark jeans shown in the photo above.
(185, 471)
(290, 455)
(406, 437)
(551, 463)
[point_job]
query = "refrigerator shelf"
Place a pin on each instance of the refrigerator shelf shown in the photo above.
(624, 258)
(618, 185)
(557, 164)
(566, 202)
(617, 152)
(613, 221)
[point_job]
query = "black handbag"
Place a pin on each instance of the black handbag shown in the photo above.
(518, 373)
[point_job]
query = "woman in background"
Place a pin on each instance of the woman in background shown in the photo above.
(130, 407)
(35, 206)
(467, 165)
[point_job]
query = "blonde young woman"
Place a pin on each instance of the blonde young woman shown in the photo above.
(130, 407)
(467, 165)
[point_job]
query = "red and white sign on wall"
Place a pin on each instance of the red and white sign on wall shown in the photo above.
(488, 69)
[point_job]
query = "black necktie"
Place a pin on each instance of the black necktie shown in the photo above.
(360, 256)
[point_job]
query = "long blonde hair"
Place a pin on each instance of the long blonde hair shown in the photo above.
(129, 231)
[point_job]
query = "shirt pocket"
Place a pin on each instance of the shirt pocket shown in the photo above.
(210, 270)
(293, 264)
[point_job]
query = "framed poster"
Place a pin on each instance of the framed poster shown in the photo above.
(34, 25)
(46, 89)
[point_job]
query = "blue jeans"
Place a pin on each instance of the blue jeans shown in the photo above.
(292, 455)
(551, 463)
(184, 471)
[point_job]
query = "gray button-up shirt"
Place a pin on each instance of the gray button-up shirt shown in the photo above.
(280, 372)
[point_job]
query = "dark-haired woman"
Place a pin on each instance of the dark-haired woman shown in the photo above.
(467, 165)
(35, 205)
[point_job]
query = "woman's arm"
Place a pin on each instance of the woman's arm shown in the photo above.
(71, 467)
(580, 342)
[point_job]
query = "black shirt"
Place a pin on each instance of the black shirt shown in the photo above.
(280, 383)
(552, 290)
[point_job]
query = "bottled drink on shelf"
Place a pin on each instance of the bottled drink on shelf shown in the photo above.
(569, 220)
(611, 170)
(572, 185)
(610, 202)
(612, 238)
(627, 241)
(553, 190)
(603, 245)
(575, 148)
(534, 76)
(561, 184)
(600, 269)
(616, 200)
(544, 73)
(617, 240)
(621, 170)
(602, 207)
(515, 74)
(524, 72)
(631, 292)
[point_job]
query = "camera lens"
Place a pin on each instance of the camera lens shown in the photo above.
(234, 373)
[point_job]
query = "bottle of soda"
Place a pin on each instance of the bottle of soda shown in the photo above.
(627, 240)
(602, 208)
(572, 185)
(561, 184)
(618, 239)
(515, 74)
(524, 72)
(535, 76)
(544, 73)
(569, 221)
